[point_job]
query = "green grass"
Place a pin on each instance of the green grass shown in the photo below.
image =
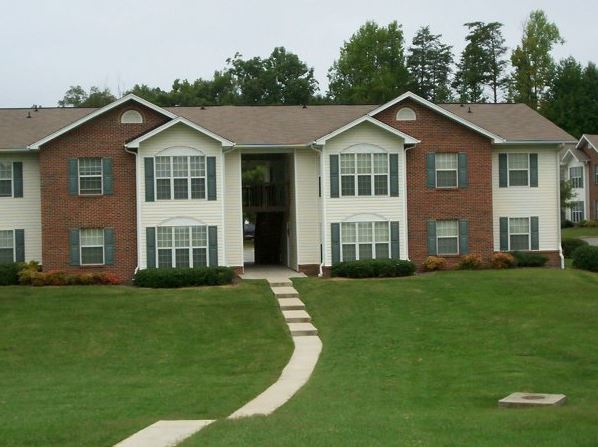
(88, 366)
(579, 232)
(422, 361)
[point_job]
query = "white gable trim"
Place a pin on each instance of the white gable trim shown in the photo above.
(566, 157)
(100, 111)
(587, 140)
(180, 120)
(366, 118)
(440, 110)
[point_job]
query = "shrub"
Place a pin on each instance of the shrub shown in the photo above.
(567, 224)
(470, 262)
(570, 245)
(589, 223)
(58, 278)
(189, 277)
(433, 263)
(502, 261)
(374, 268)
(27, 270)
(528, 259)
(586, 258)
(9, 273)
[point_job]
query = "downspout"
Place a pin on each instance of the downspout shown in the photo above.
(405, 210)
(137, 206)
(323, 235)
(558, 208)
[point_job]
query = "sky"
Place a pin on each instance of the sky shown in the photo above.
(46, 46)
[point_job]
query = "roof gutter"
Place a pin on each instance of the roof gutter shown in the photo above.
(534, 142)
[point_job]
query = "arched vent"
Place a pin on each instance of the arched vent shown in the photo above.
(406, 114)
(131, 117)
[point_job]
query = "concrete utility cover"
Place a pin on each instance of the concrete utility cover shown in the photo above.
(532, 400)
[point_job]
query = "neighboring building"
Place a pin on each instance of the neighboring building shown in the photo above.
(133, 185)
(579, 164)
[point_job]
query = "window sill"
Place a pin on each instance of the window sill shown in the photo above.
(90, 195)
(91, 265)
(449, 256)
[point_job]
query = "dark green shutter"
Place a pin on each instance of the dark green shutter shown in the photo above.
(533, 170)
(73, 176)
(463, 237)
(335, 242)
(150, 247)
(431, 170)
(395, 252)
(503, 172)
(107, 174)
(534, 232)
(108, 246)
(211, 172)
(463, 177)
(17, 178)
(504, 233)
(74, 256)
(20, 245)
(148, 164)
(432, 237)
(334, 176)
(212, 246)
(394, 174)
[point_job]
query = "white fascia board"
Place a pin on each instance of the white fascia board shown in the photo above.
(587, 140)
(366, 118)
(134, 144)
(440, 110)
(12, 150)
(534, 142)
(100, 111)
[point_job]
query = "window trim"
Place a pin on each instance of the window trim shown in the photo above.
(529, 233)
(528, 170)
(189, 177)
(81, 246)
(458, 252)
(173, 248)
(596, 173)
(357, 243)
(356, 175)
(14, 245)
(581, 213)
(80, 176)
(12, 181)
(456, 170)
(574, 183)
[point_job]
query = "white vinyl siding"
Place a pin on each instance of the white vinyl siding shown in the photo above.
(308, 205)
(6, 178)
(91, 245)
(7, 246)
(233, 209)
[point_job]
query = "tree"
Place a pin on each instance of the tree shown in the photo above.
(532, 60)
(154, 95)
(371, 66)
(73, 97)
(429, 63)
(220, 90)
(567, 194)
(494, 43)
(76, 96)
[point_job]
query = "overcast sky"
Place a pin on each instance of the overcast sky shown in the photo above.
(46, 46)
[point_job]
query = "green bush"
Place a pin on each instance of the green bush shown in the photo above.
(189, 277)
(588, 223)
(374, 268)
(570, 245)
(529, 259)
(567, 224)
(9, 273)
(586, 258)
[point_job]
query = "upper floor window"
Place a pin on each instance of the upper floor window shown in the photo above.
(365, 240)
(447, 237)
(182, 247)
(181, 177)
(365, 173)
(518, 169)
(92, 246)
(90, 176)
(7, 246)
(447, 169)
(576, 176)
(406, 114)
(131, 117)
(6, 177)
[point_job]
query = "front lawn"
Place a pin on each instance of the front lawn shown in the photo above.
(579, 232)
(88, 366)
(422, 361)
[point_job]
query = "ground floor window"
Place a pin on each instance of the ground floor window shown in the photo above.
(365, 240)
(92, 246)
(447, 237)
(519, 234)
(577, 212)
(182, 247)
(7, 246)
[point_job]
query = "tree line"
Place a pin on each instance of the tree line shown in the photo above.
(376, 65)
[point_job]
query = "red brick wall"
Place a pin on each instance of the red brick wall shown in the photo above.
(103, 136)
(592, 186)
(474, 202)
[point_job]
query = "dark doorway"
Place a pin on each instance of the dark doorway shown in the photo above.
(269, 237)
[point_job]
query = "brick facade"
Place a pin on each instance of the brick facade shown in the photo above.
(103, 136)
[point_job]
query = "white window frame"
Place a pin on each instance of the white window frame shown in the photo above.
(12, 179)
(438, 252)
(80, 176)
(189, 177)
(577, 215)
(173, 248)
(577, 180)
(456, 170)
(596, 173)
(81, 247)
(509, 154)
(529, 233)
(14, 244)
(373, 243)
(372, 174)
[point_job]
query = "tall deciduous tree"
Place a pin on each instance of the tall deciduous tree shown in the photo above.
(76, 96)
(371, 66)
(429, 62)
(494, 43)
(532, 60)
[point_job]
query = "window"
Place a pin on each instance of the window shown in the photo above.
(182, 247)
(7, 246)
(447, 166)
(365, 240)
(406, 114)
(369, 171)
(596, 210)
(90, 176)
(92, 246)
(519, 233)
(131, 117)
(576, 176)
(5, 179)
(447, 237)
(180, 177)
(596, 174)
(518, 169)
(577, 212)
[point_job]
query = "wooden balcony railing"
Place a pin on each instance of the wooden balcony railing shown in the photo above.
(265, 195)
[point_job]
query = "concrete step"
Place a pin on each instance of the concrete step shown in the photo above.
(285, 292)
(302, 329)
(296, 316)
(280, 283)
(291, 304)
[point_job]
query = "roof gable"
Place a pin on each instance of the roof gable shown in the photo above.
(591, 140)
(407, 138)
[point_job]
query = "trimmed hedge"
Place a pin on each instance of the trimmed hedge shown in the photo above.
(529, 259)
(570, 245)
(586, 258)
(9, 274)
(374, 268)
(184, 277)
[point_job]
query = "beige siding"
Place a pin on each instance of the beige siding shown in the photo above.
(307, 172)
(233, 210)
(524, 201)
(25, 212)
(293, 211)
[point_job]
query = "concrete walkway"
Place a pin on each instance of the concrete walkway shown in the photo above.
(297, 372)
(592, 240)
